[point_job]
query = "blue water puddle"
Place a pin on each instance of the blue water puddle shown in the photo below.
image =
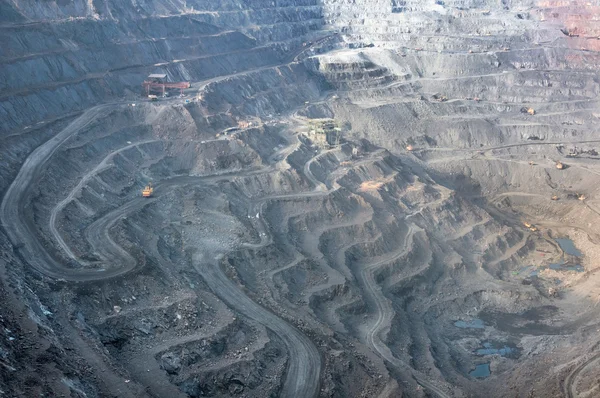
(568, 247)
(563, 266)
(488, 349)
(528, 271)
(556, 266)
(473, 324)
(481, 371)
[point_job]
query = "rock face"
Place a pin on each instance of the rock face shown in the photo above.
(353, 198)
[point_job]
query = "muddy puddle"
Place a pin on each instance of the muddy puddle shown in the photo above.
(530, 322)
(564, 266)
(489, 348)
(472, 324)
(481, 371)
(568, 247)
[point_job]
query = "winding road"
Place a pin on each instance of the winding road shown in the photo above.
(385, 314)
(304, 364)
(21, 230)
(570, 384)
(302, 378)
(104, 164)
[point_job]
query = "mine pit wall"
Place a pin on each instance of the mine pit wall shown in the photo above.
(525, 72)
(271, 91)
(57, 60)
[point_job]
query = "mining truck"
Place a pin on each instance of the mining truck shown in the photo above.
(529, 111)
(148, 191)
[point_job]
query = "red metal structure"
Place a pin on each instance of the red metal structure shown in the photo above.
(157, 82)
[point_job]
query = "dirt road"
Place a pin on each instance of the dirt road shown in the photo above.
(104, 164)
(304, 365)
(570, 384)
(385, 313)
(14, 204)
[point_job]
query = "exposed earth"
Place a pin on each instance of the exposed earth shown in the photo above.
(353, 198)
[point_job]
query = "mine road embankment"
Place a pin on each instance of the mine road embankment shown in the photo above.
(304, 365)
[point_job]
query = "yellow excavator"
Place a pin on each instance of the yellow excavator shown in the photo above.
(148, 191)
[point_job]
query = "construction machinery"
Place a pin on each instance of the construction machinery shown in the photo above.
(530, 226)
(529, 111)
(410, 148)
(157, 82)
(440, 98)
(581, 197)
(560, 165)
(148, 191)
(554, 197)
(569, 33)
(325, 132)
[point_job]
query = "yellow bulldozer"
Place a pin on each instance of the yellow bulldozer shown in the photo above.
(530, 226)
(148, 191)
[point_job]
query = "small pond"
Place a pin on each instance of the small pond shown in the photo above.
(481, 371)
(473, 324)
(489, 349)
(563, 266)
(568, 247)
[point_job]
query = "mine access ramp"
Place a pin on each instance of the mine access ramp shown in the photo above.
(157, 82)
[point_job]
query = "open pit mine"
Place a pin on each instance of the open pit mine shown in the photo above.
(299, 198)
